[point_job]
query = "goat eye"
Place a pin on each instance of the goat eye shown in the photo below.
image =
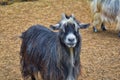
(74, 25)
(63, 29)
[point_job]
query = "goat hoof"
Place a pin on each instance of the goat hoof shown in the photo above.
(103, 28)
(95, 30)
(119, 34)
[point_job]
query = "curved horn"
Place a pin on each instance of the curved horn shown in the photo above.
(63, 16)
(72, 16)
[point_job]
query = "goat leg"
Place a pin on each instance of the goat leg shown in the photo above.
(103, 27)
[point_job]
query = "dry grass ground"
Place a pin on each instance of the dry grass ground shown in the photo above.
(100, 55)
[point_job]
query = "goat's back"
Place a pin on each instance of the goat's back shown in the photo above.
(109, 9)
(36, 39)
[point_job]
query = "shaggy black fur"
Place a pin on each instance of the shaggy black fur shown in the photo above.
(43, 50)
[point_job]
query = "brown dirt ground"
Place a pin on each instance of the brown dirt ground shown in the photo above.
(100, 56)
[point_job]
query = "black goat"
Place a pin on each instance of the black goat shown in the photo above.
(55, 55)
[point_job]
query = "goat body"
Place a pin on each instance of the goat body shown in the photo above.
(42, 51)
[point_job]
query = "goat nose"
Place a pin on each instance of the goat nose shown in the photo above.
(71, 39)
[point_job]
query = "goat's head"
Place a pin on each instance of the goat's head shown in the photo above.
(69, 30)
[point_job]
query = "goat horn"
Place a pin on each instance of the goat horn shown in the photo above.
(73, 16)
(63, 16)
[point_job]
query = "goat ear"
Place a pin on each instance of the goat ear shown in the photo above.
(83, 25)
(55, 27)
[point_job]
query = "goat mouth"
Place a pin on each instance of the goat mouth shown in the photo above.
(71, 44)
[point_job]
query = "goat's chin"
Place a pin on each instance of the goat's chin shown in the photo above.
(71, 45)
